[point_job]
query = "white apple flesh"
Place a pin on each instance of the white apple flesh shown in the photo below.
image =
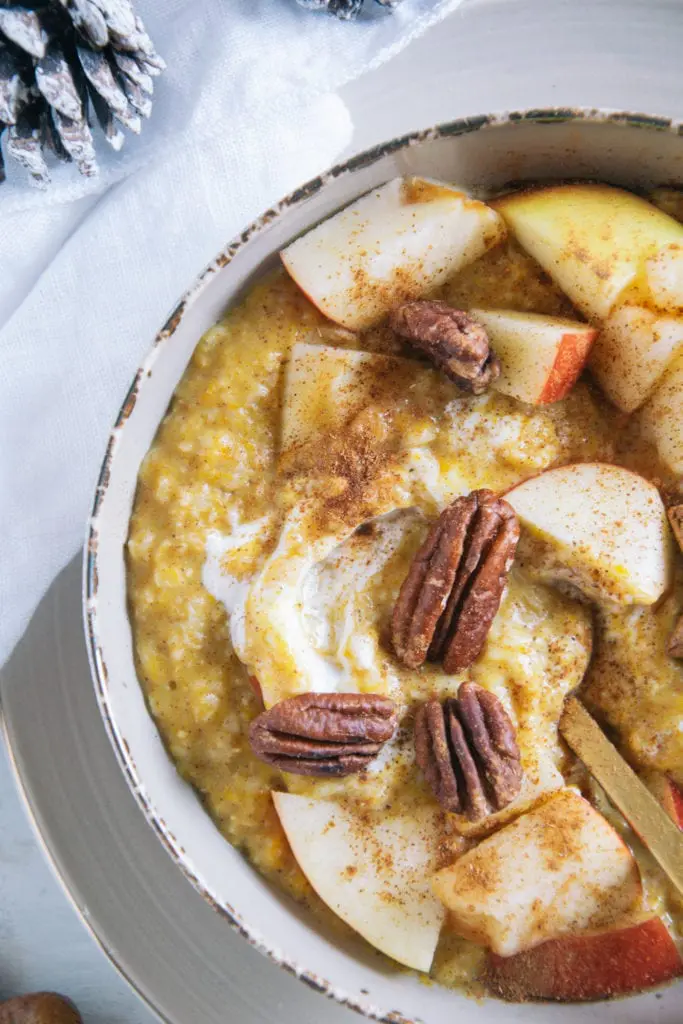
(632, 352)
(593, 240)
(374, 873)
(554, 871)
(541, 357)
(394, 244)
(664, 273)
(662, 417)
(325, 386)
(605, 528)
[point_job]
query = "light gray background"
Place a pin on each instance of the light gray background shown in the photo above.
(491, 55)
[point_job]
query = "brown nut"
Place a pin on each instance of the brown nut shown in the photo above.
(454, 342)
(451, 594)
(39, 1008)
(324, 734)
(467, 749)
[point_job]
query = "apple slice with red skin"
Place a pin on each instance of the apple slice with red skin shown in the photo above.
(541, 357)
(577, 968)
(256, 687)
(676, 798)
(398, 242)
(669, 795)
(556, 870)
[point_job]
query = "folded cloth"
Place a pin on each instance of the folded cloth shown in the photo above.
(88, 270)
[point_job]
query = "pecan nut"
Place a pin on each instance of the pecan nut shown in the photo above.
(452, 340)
(467, 750)
(324, 734)
(453, 589)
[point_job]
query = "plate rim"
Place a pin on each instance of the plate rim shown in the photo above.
(63, 876)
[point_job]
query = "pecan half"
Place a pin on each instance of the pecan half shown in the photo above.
(467, 749)
(325, 734)
(452, 340)
(451, 594)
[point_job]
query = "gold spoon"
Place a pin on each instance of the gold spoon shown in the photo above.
(650, 821)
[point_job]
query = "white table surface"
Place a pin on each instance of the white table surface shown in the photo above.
(43, 943)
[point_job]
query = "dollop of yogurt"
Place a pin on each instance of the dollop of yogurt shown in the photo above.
(225, 587)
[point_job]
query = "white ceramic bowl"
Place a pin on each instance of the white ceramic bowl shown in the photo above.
(489, 151)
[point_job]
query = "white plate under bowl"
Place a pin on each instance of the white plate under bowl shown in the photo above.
(180, 956)
(484, 151)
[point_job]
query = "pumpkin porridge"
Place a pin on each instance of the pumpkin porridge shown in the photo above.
(410, 494)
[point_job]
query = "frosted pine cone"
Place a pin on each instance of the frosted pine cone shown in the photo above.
(64, 63)
(345, 9)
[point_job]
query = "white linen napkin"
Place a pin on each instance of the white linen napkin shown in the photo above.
(89, 270)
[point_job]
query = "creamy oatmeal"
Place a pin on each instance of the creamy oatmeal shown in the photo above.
(286, 496)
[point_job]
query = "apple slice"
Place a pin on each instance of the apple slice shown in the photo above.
(581, 967)
(632, 352)
(256, 687)
(674, 803)
(559, 869)
(669, 795)
(373, 871)
(593, 240)
(605, 530)
(662, 417)
(325, 386)
(541, 357)
(396, 243)
(664, 274)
